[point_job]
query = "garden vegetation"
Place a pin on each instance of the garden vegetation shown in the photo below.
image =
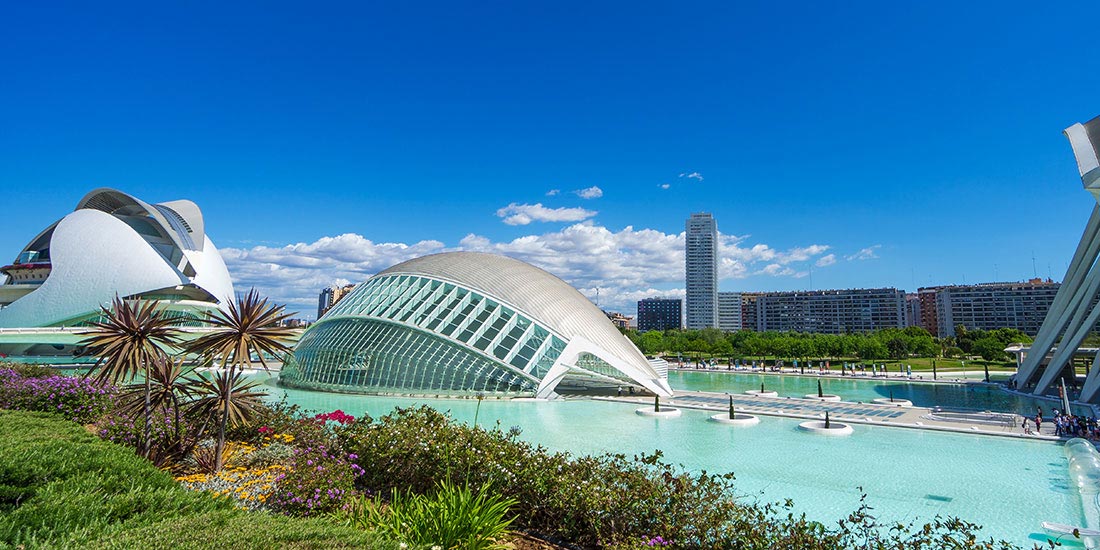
(199, 460)
(890, 343)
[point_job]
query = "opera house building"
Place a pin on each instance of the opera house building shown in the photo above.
(112, 244)
(467, 323)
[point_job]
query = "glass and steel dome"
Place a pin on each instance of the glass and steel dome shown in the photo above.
(462, 323)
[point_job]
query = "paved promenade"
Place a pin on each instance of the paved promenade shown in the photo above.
(994, 424)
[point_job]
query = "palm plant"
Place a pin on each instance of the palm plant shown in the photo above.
(225, 397)
(169, 384)
(251, 326)
(129, 339)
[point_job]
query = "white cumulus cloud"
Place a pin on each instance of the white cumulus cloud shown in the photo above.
(523, 214)
(826, 260)
(692, 175)
(626, 265)
(553, 192)
(868, 253)
(589, 192)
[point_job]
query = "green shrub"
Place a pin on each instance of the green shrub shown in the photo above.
(30, 370)
(452, 516)
(224, 529)
(78, 399)
(320, 479)
(57, 482)
(611, 500)
(61, 487)
(268, 455)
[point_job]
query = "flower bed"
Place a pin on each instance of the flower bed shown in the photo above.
(81, 400)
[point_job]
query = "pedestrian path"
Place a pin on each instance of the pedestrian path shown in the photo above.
(997, 424)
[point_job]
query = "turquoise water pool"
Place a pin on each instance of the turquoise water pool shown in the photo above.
(923, 394)
(1007, 485)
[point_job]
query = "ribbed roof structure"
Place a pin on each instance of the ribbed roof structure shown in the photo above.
(466, 322)
(114, 244)
(538, 293)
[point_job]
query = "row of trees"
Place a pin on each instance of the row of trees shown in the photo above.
(891, 343)
(136, 339)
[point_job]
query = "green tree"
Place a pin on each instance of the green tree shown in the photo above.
(722, 348)
(897, 347)
(870, 349)
(652, 342)
(990, 349)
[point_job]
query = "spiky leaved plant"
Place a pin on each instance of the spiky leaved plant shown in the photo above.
(128, 339)
(171, 390)
(251, 326)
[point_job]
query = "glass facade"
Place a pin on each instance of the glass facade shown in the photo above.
(417, 335)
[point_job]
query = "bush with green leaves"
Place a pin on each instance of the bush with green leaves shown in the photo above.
(31, 388)
(61, 487)
(320, 479)
(611, 500)
(30, 370)
(451, 516)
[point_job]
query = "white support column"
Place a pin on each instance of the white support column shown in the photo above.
(1092, 382)
(1064, 304)
(572, 352)
(1074, 335)
(1072, 315)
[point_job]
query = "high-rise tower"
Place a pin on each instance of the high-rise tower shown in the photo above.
(701, 271)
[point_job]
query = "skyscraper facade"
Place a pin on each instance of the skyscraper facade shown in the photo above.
(1021, 306)
(831, 311)
(659, 314)
(729, 311)
(701, 271)
(330, 297)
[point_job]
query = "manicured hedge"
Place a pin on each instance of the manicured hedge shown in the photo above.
(61, 486)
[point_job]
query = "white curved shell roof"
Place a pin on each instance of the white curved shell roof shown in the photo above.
(95, 254)
(539, 294)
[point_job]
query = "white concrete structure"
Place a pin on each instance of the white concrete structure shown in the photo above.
(892, 402)
(664, 412)
(467, 323)
(112, 245)
(739, 419)
(1072, 315)
(818, 427)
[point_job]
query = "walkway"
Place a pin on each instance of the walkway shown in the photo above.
(1005, 425)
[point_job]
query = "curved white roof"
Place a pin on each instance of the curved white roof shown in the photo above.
(117, 245)
(540, 295)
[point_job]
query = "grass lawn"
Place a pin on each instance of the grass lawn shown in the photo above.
(62, 487)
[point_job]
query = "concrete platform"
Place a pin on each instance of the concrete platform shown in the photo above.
(856, 413)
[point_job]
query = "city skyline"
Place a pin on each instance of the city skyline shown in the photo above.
(872, 146)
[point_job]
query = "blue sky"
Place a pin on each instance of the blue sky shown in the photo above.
(874, 144)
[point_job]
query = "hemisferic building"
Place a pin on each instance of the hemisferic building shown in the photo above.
(463, 324)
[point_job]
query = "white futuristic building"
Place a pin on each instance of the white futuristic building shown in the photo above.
(1074, 313)
(114, 244)
(464, 323)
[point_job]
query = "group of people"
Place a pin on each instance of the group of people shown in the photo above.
(1075, 426)
(1065, 425)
